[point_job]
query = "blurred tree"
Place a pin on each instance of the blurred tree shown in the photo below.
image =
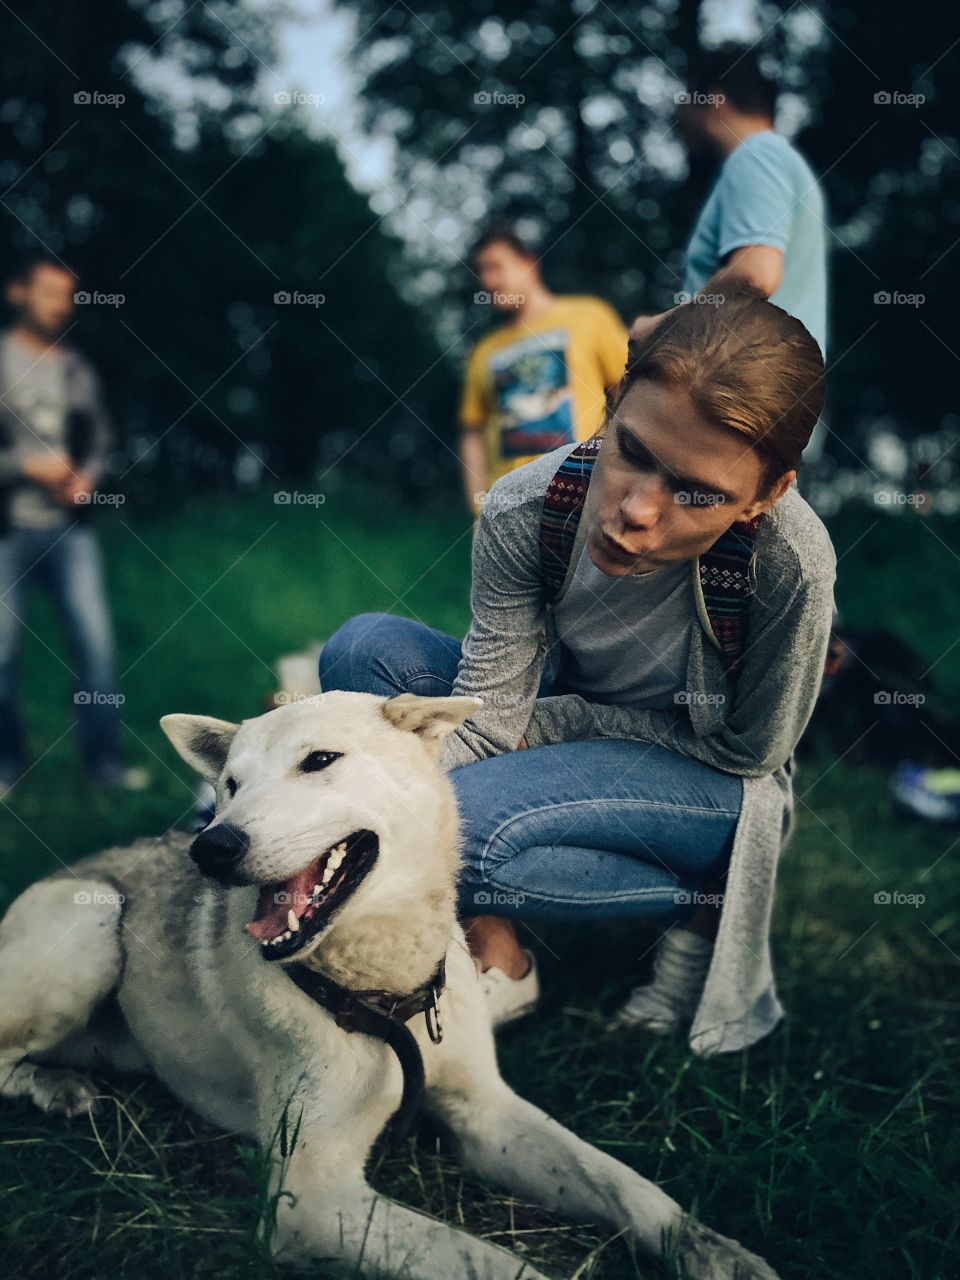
(559, 116)
(891, 169)
(551, 114)
(136, 149)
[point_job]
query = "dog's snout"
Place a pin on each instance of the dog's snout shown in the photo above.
(218, 849)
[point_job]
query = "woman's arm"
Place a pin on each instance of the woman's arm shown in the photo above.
(505, 649)
(775, 696)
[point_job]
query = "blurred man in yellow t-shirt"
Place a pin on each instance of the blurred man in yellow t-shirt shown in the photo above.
(537, 381)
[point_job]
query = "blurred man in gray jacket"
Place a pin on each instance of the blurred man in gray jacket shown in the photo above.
(54, 439)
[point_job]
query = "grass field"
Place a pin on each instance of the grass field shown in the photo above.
(830, 1148)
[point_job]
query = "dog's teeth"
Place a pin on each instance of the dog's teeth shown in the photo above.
(317, 890)
(327, 875)
(292, 921)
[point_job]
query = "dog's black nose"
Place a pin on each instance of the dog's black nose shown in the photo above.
(218, 849)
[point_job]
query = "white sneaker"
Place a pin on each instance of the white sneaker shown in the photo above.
(669, 1001)
(510, 998)
(123, 778)
(646, 1009)
(135, 778)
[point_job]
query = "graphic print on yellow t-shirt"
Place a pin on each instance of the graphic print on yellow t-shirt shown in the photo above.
(532, 394)
(534, 387)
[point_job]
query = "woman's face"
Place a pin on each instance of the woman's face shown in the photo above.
(668, 483)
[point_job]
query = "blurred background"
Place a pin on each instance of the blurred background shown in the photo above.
(204, 159)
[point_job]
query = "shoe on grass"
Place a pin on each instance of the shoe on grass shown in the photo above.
(508, 999)
(118, 777)
(929, 793)
(647, 1010)
(668, 1002)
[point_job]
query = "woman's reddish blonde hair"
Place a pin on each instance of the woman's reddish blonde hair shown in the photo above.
(747, 366)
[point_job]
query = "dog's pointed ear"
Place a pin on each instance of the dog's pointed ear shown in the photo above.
(202, 741)
(431, 719)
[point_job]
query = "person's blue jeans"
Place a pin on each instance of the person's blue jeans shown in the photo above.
(67, 563)
(583, 830)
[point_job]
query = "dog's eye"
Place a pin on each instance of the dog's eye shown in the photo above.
(230, 786)
(318, 760)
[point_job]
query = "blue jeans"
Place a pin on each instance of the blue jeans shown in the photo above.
(66, 562)
(586, 830)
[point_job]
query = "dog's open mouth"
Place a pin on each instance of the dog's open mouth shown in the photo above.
(290, 913)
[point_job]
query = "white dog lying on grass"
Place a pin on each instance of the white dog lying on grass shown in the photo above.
(217, 963)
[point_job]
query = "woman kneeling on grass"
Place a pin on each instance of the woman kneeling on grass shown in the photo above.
(657, 782)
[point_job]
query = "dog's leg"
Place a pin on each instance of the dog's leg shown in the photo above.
(328, 1213)
(511, 1142)
(59, 957)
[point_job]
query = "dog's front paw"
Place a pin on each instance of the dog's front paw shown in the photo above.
(64, 1092)
(704, 1254)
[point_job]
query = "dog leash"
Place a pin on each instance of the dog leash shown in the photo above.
(384, 1015)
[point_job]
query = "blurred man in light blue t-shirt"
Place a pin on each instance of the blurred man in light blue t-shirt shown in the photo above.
(765, 217)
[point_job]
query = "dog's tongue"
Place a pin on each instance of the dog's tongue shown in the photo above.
(270, 917)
